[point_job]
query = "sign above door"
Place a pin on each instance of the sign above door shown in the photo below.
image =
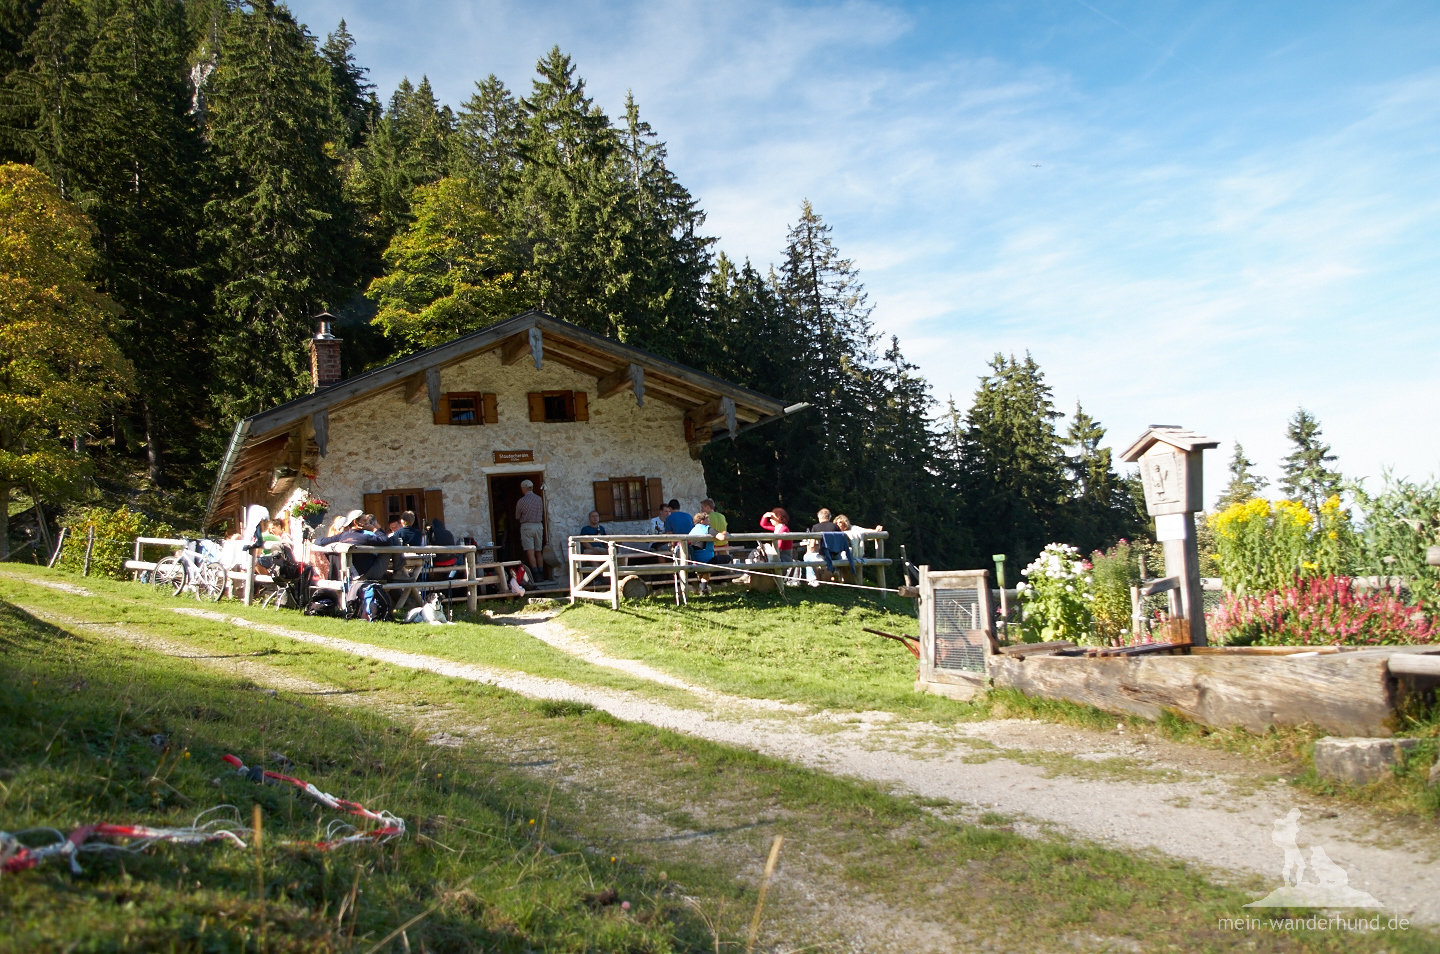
(514, 456)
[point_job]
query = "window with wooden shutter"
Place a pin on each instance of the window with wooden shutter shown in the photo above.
(623, 498)
(491, 416)
(373, 503)
(558, 407)
(442, 411)
(602, 500)
(434, 507)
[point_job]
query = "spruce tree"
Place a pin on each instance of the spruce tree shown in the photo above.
(1100, 509)
(486, 147)
(1012, 479)
(276, 226)
(1305, 474)
(352, 95)
(1244, 485)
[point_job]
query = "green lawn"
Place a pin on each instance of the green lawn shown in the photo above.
(79, 713)
(808, 646)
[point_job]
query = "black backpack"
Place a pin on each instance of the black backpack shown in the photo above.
(322, 604)
(371, 604)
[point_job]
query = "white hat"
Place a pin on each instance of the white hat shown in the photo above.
(352, 516)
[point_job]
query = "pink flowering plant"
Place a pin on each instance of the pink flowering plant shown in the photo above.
(1056, 596)
(311, 506)
(1320, 611)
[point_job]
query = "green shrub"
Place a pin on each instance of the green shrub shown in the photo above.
(115, 533)
(1401, 522)
(1114, 572)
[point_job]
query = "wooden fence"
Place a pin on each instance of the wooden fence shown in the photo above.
(597, 576)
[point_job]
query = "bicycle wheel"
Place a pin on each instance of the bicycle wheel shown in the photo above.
(210, 582)
(168, 575)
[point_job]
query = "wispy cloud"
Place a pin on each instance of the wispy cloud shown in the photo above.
(1212, 226)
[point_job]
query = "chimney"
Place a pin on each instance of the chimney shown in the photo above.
(324, 354)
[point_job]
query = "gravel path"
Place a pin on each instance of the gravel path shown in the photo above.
(1203, 810)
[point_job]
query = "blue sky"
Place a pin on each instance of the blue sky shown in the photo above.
(1205, 214)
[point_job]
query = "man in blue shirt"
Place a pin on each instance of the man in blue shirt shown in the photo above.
(679, 521)
(592, 529)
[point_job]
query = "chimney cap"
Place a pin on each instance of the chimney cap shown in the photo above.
(325, 319)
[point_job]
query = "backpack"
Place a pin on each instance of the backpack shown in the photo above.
(322, 605)
(371, 605)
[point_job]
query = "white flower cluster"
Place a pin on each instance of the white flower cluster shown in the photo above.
(1058, 561)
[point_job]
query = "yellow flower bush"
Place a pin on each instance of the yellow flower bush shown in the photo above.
(1264, 546)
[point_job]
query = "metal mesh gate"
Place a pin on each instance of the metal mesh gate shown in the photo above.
(960, 630)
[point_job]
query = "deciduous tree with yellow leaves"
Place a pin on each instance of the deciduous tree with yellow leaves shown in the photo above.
(59, 367)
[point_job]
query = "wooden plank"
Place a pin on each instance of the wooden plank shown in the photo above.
(1339, 693)
(1414, 664)
(1029, 649)
(631, 378)
(414, 387)
(1160, 586)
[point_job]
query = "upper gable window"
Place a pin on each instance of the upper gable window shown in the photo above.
(558, 407)
(466, 408)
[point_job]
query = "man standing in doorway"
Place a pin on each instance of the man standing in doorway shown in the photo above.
(530, 514)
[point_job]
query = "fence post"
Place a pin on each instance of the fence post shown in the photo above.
(89, 547)
(880, 555)
(474, 601)
(614, 576)
(249, 576)
(59, 545)
(573, 570)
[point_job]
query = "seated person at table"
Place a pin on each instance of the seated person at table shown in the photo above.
(657, 525)
(702, 546)
(679, 521)
(357, 534)
(408, 533)
(593, 529)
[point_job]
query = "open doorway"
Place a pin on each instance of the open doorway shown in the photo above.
(504, 492)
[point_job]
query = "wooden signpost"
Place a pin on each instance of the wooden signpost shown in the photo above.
(1170, 460)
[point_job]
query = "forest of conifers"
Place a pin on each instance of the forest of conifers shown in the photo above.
(243, 175)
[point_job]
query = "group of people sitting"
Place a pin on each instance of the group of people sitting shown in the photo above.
(840, 540)
(358, 528)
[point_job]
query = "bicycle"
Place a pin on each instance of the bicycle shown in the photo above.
(191, 570)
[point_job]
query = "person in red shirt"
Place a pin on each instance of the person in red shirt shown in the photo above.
(778, 521)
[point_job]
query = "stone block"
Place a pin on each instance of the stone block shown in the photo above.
(1358, 761)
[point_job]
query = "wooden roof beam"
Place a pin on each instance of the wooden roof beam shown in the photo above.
(515, 347)
(720, 410)
(631, 377)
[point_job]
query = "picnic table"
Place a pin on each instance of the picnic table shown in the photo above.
(417, 561)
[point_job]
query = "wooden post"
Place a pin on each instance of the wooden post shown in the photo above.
(89, 547)
(682, 551)
(473, 603)
(614, 570)
(249, 576)
(880, 555)
(60, 545)
(1137, 615)
(574, 571)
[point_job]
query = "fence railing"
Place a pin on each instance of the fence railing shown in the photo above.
(596, 576)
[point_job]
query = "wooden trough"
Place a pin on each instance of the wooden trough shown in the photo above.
(1343, 693)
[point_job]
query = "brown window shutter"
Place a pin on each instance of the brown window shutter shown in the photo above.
(537, 407)
(434, 507)
(654, 495)
(442, 414)
(604, 501)
(491, 416)
(582, 406)
(373, 503)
